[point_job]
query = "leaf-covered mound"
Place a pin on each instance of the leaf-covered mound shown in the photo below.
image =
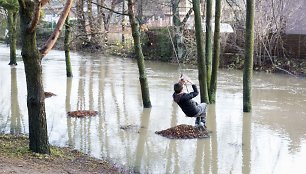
(82, 113)
(183, 131)
(49, 94)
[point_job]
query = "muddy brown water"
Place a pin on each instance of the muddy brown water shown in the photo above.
(270, 139)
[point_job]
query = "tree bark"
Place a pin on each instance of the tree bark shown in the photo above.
(200, 51)
(67, 47)
(208, 46)
(249, 51)
(81, 22)
(216, 53)
(178, 31)
(140, 58)
(54, 36)
(12, 22)
(31, 56)
(35, 93)
(123, 24)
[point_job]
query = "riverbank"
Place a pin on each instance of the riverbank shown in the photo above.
(15, 157)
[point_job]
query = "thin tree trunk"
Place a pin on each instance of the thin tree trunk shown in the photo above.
(123, 24)
(208, 46)
(200, 50)
(140, 58)
(81, 21)
(100, 21)
(90, 20)
(216, 54)
(35, 92)
(178, 33)
(249, 51)
(12, 22)
(67, 48)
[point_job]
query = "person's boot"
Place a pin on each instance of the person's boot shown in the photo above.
(197, 122)
(203, 120)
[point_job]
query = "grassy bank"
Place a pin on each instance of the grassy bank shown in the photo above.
(15, 157)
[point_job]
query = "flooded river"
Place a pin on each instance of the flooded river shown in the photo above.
(271, 139)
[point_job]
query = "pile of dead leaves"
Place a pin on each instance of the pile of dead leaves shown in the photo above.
(183, 131)
(49, 94)
(82, 113)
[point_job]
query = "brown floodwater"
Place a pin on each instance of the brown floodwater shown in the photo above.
(270, 139)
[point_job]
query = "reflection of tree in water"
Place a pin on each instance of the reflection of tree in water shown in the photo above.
(68, 108)
(102, 127)
(142, 139)
(207, 149)
(246, 141)
(81, 88)
(79, 129)
(172, 144)
(15, 117)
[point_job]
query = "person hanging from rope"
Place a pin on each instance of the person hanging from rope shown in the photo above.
(190, 107)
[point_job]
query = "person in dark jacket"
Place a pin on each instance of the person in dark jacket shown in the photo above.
(189, 106)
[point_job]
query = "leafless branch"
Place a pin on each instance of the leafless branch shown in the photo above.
(109, 9)
(35, 18)
(52, 39)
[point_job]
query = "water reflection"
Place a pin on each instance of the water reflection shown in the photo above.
(269, 140)
(16, 119)
(246, 143)
(142, 139)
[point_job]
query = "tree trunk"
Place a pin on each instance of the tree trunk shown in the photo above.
(249, 50)
(67, 47)
(200, 51)
(140, 58)
(208, 46)
(91, 21)
(123, 24)
(178, 31)
(12, 22)
(35, 93)
(81, 21)
(100, 22)
(216, 53)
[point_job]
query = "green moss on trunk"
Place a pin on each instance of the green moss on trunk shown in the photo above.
(216, 53)
(200, 50)
(140, 58)
(249, 50)
(38, 135)
(208, 46)
(67, 48)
